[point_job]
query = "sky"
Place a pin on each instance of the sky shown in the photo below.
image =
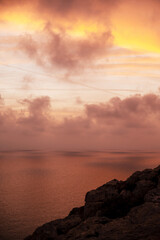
(80, 75)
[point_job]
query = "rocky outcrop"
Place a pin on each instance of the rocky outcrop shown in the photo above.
(118, 210)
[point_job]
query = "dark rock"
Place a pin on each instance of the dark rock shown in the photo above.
(153, 196)
(77, 211)
(122, 210)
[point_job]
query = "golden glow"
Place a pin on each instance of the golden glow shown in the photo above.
(82, 29)
(23, 19)
(125, 35)
(126, 30)
(133, 28)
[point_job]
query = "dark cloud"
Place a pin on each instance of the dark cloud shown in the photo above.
(64, 7)
(77, 9)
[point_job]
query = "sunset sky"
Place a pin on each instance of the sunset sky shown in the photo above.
(80, 74)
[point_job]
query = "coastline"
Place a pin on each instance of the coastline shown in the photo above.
(117, 210)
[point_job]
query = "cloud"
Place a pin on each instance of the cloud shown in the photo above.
(65, 36)
(62, 51)
(38, 115)
(132, 112)
(77, 34)
(79, 101)
(27, 81)
(63, 7)
(1, 100)
(128, 124)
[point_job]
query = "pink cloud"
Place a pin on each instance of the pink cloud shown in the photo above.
(132, 112)
(38, 114)
(62, 51)
(127, 124)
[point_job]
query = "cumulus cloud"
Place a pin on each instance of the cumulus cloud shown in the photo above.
(62, 51)
(132, 112)
(38, 114)
(127, 124)
(70, 38)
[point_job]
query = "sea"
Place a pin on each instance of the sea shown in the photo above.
(39, 186)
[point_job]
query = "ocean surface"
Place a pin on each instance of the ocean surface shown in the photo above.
(37, 187)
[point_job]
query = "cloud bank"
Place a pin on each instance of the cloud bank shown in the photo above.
(128, 124)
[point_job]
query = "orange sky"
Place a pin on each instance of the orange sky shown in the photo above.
(59, 58)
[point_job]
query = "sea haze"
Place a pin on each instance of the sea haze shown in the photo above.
(37, 187)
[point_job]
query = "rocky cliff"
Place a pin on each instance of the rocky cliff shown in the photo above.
(118, 210)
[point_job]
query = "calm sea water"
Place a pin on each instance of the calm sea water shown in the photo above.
(37, 187)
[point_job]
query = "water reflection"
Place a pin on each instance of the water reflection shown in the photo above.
(36, 187)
